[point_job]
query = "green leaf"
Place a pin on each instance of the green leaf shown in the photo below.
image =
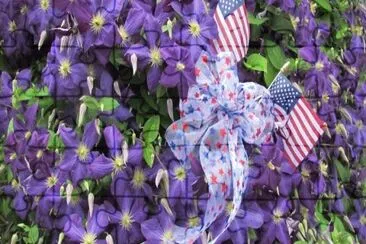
(270, 74)
(90, 102)
(256, 21)
(108, 104)
(256, 62)
(151, 128)
(275, 54)
(33, 234)
(54, 141)
(343, 171)
(149, 154)
(324, 4)
(281, 24)
(160, 91)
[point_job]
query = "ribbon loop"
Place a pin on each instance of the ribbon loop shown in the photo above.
(218, 116)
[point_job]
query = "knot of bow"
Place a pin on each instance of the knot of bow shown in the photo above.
(218, 116)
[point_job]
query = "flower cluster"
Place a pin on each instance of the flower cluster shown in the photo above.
(88, 88)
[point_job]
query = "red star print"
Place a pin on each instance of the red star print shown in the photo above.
(258, 132)
(231, 95)
(218, 145)
(185, 126)
(221, 171)
(227, 61)
(197, 94)
(224, 187)
(238, 183)
(241, 161)
(229, 172)
(213, 100)
(228, 75)
(249, 96)
(222, 132)
(197, 72)
(204, 59)
(213, 179)
(175, 126)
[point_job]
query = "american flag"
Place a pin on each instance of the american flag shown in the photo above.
(233, 27)
(301, 126)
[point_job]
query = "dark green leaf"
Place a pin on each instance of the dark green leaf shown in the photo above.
(149, 154)
(324, 4)
(343, 171)
(33, 234)
(270, 74)
(108, 103)
(256, 21)
(151, 128)
(256, 62)
(275, 54)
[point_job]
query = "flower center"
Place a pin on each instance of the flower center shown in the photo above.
(51, 181)
(44, 4)
(39, 154)
(194, 28)
(305, 173)
(155, 57)
(180, 66)
(138, 178)
(82, 151)
(126, 221)
(12, 26)
(193, 222)
(319, 66)
(119, 163)
(277, 216)
(271, 166)
(363, 220)
(324, 168)
(97, 23)
(167, 236)
(24, 9)
(15, 184)
(13, 156)
(122, 32)
(27, 135)
(313, 7)
(325, 98)
(180, 173)
(359, 124)
(294, 21)
(229, 208)
(65, 68)
(89, 238)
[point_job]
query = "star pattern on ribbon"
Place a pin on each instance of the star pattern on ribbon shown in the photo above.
(218, 116)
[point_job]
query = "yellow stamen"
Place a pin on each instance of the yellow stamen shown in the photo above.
(180, 66)
(138, 178)
(180, 173)
(97, 23)
(155, 57)
(277, 216)
(51, 181)
(44, 4)
(82, 151)
(126, 221)
(194, 28)
(65, 68)
(12, 26)
(122, 32)
(89, 238)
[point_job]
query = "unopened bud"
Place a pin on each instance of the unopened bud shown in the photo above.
(109, 239)
(169, 105)
(125, 152)
(91, 203)
(134, 63)
(133, 138)
(343, 154)
(14, 238)
(69, 189)
(42, 38)
(82, 111)
(60, 238)
(117, 88)
(90, 83)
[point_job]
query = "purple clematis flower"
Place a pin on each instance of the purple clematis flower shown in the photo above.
(64, 72)
(96, 224)
(275, 214)
(21, 203)
(358, 219)
(250, 216)
(121, 155)
(127, 218)
(78, 154)
(158, 229)
(180, 69)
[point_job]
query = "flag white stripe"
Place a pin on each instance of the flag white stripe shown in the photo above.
(304, 133)
(224, 46)
(311, 120)
(296, 137)
(227, 34)
(291, 155)
(236, 34)
(246, 26)
(241, 27)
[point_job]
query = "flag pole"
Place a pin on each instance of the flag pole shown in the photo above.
(283, 69)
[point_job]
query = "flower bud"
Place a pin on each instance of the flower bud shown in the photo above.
(90, 83)
(343, 154)
(60, 238)
(42, 38)
(109, 239)
(125, 152)
(169, 105)
(82, 111)
(134, 63)
(117, 88)
(14, 238)
(91, 203)
(69, 189)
